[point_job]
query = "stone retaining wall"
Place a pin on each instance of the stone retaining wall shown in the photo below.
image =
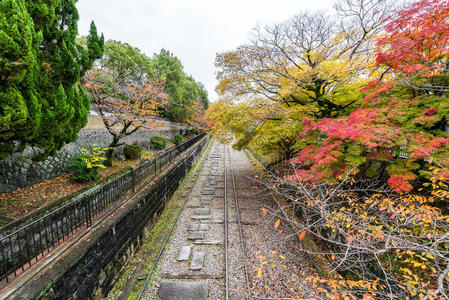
(91, 266)
(19, 170)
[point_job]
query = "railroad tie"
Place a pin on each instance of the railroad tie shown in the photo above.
(193, 227)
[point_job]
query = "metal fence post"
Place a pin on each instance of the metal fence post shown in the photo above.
(133, 180)
(165, 187)
(88, 211)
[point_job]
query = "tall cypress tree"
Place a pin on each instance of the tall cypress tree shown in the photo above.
(20, 109)
(42, 103)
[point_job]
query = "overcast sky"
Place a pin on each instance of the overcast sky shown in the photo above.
(194, 30)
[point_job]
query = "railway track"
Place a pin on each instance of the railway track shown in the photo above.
(228, 164)
(224, 271)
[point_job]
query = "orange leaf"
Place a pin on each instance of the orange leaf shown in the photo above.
(277, 223)
(264, 210)
(302, 235)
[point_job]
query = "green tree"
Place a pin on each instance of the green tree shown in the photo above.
(182, 89)
(268, 127)
(203, 95)
(126, 63)
(169, 69)
(42, 102)
(20, 109)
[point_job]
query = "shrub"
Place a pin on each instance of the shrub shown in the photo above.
(178, 139)
(85, 165)
(158, 143)
(132, 151)
(80, 170)
(148, 155)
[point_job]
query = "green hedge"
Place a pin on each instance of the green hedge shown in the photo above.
(132, 151)
(178, 139)
(158, 143)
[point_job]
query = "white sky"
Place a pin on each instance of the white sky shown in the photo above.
(194, 30)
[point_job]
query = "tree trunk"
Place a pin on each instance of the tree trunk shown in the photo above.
(110, 151)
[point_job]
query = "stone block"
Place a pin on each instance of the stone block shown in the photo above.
(197, 261)
(202, 211)
(200, 217)
(169, 290)
(193, 227)
(195, 235)
(184, 253)
(204, 227)
(205, 200)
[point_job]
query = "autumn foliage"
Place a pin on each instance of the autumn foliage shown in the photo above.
(124, 105)
(398, 131)
(417, 40)
(378, 244)
(365, 110)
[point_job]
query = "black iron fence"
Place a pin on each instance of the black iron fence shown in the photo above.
(22, 248)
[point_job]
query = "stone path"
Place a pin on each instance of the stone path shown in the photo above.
(192, 266)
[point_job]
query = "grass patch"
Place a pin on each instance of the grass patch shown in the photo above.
(148, 155)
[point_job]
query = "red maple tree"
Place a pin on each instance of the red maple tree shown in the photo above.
(400, 127)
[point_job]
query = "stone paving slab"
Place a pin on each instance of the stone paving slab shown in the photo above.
(193, 227)
(197, 261)
(204, 227)
(194, 276)
(205, 200)
(202, 211)
(184, 253)
(209, 243)
(200, 217)
(196, 235)
(169, 290)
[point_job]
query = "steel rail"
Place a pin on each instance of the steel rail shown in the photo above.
(225, 210)
(242, 243)
(167, 238)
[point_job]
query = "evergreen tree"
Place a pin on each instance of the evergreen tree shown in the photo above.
(169, 69)
(182, 89)
(20, 109)
(42, 102)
